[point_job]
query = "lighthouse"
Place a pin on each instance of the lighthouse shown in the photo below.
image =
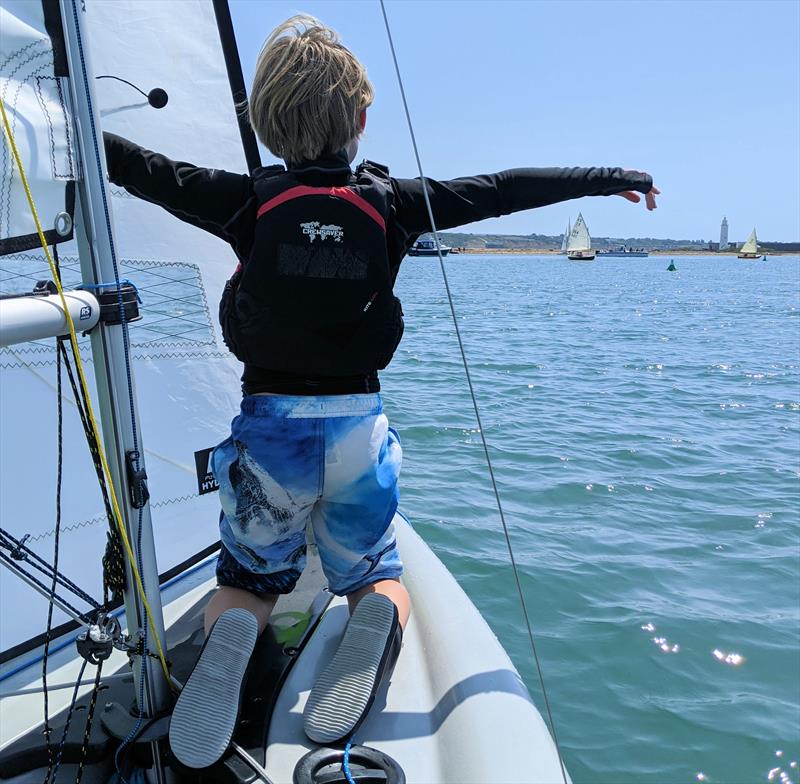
(723, 235)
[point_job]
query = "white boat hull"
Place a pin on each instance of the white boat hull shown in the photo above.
(455, 711)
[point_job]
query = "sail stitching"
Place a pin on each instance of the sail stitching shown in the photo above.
(101, 518)
(6, 193)
(74, 340)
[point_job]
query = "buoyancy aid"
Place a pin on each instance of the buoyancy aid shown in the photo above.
(315, 295)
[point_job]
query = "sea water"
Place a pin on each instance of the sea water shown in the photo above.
(644, 428)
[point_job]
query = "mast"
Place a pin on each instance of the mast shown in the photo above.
(233, 66)
(115, 387)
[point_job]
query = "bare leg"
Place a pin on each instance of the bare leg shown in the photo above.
(391, 588)
(227, 597)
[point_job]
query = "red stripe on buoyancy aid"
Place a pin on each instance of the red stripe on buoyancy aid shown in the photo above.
(340, 192)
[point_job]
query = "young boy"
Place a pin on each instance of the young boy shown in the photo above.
(311, 313)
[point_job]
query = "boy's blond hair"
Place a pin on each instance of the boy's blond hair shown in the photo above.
(308, 91)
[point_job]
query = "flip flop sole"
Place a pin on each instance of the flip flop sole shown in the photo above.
(345, 690)
(205, 715)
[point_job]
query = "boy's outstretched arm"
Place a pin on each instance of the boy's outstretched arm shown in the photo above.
(211, 199)
(468, 199)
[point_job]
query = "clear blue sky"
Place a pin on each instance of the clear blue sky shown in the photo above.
(704, 95)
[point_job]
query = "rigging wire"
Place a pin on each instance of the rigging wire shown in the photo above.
(53, 765)
(76, 352)
(114, 579)
(87, 732)
(38, 585)
(472, 393)
(19, 551)
(67, 723)
(142, 677)
(56, 542)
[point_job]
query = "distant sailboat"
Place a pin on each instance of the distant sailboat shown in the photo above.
(564, 239)
(579, 243)
(750, 249)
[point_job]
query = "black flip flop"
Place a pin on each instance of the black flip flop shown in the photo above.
(207, 709)
(344, 692)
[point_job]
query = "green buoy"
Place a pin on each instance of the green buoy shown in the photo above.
(672, 267)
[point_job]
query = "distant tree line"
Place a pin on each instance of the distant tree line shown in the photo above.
(553, 242)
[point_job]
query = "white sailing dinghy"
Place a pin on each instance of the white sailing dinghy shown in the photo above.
(565, 238)
(579, 243)
(166, 386)
(750, 249)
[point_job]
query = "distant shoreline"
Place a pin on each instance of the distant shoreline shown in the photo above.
(545, 252)
(547, 244)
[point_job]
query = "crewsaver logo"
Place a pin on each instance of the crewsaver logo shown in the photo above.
(206, 483)
(313, 229)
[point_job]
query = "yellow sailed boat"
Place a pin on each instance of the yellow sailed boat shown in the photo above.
(750, 249)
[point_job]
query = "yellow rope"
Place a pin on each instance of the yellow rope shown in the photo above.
(74, 341)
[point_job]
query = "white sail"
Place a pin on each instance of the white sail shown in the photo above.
(564, 238)
(187, 382)
(751, 246)
(579, 238)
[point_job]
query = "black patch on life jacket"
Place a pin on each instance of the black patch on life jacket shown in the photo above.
(322, 261)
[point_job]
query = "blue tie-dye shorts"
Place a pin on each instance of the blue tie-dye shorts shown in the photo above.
(332, 461)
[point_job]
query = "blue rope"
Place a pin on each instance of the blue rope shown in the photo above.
(142, 671)
(137, 777)
(346, 763)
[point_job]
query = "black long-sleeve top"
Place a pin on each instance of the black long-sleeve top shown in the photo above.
(225, 204)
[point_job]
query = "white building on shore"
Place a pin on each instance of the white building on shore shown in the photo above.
(723, 235)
